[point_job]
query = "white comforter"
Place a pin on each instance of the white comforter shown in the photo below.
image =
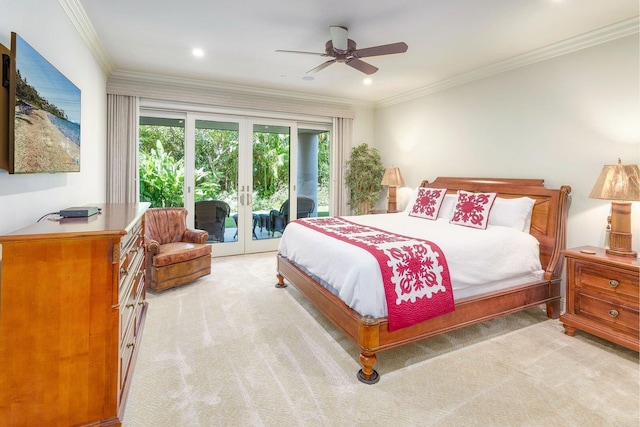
(479, 260)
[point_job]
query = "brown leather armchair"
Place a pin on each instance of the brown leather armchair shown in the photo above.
(175, 254)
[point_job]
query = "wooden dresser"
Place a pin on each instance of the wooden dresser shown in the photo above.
(72, 308)
(602, 295)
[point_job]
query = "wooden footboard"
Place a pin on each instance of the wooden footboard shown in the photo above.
(372, 334)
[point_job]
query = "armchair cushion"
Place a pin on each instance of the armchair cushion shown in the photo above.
(173, 253)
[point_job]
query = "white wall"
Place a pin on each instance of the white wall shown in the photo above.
(560, 119)
(25, 198)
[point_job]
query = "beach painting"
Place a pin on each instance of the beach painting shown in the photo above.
(47, 116)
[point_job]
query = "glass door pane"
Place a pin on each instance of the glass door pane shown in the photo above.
(216, 179)
(313, 171)
(161, 161)
(270, 179)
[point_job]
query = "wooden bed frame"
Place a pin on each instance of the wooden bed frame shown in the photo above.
(372, 335)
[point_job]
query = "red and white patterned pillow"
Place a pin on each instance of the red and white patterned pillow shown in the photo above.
(472, 209)
(428, 202)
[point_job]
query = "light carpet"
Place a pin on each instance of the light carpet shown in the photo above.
(233, 350)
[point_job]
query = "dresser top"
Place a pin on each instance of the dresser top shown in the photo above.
(113, 219)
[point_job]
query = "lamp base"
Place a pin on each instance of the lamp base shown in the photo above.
(391, 205)
(620, 245)
(630, 254)
(620, 236)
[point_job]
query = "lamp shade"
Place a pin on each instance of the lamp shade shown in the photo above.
(617, 182)
(392, 177)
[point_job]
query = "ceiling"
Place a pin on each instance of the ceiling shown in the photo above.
(239, 38)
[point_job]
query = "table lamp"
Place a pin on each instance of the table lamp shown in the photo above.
(392, 178)
(620, 184)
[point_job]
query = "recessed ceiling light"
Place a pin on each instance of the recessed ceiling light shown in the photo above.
(197, 52)
(308, 78)
(367, 81)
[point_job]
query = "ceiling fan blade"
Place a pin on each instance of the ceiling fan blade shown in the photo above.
(386, 49)
(299, 51)
(321, 66)
(339, 38)
(361, 66)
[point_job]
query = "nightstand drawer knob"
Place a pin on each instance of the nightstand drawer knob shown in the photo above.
(613, 313)
(613, 283)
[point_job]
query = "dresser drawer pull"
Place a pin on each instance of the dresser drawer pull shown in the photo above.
(131, 345)
(129, 306)
(613, 283)
(124, 271)
(613, 313)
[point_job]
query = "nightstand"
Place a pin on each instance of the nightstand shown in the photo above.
(602, 295)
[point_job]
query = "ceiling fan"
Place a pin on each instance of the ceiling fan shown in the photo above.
(342, 49)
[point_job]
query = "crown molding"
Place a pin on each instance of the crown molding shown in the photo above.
(177, 89)
(80, 21)
(226, 88)
(602, 35)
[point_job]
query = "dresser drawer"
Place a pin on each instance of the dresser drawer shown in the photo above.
(127, 348)
(130, 295)
(617, 313)
(611, 280)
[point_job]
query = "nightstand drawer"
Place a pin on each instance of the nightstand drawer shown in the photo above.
(609, 280)
(599, 307)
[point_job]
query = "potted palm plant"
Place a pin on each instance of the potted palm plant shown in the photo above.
(363, 176)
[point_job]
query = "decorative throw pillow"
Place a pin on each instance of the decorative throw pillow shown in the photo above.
(472, 209)
(428, 201)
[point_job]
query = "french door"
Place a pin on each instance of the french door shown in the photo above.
(243, 179)
(243, 165)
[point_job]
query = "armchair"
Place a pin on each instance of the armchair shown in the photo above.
(210, 216)
(278, 219)
(175, 254)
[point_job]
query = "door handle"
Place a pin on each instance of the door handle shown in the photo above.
(242, 199)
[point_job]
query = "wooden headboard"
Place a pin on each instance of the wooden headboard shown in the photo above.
(549, 217)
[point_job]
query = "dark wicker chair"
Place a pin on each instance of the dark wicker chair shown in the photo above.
(278, 219)
(210, 215)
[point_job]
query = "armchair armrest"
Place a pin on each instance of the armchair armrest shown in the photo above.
(195, 236)
(152, 246)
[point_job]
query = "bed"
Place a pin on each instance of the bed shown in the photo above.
(372, 332)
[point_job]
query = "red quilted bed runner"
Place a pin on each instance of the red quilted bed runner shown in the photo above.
(414, 271)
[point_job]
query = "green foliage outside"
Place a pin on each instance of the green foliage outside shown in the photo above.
(216, 160)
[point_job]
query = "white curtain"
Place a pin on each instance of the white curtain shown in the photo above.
(343, 137)
(122, 148)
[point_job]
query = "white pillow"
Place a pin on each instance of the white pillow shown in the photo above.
(514, 213)
(446, 208)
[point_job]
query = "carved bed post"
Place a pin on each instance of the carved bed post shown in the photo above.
(369, 337)
(280, 283)
(554, 269)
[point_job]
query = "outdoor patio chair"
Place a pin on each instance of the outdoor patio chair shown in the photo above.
(210, 215)
(278, 219)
